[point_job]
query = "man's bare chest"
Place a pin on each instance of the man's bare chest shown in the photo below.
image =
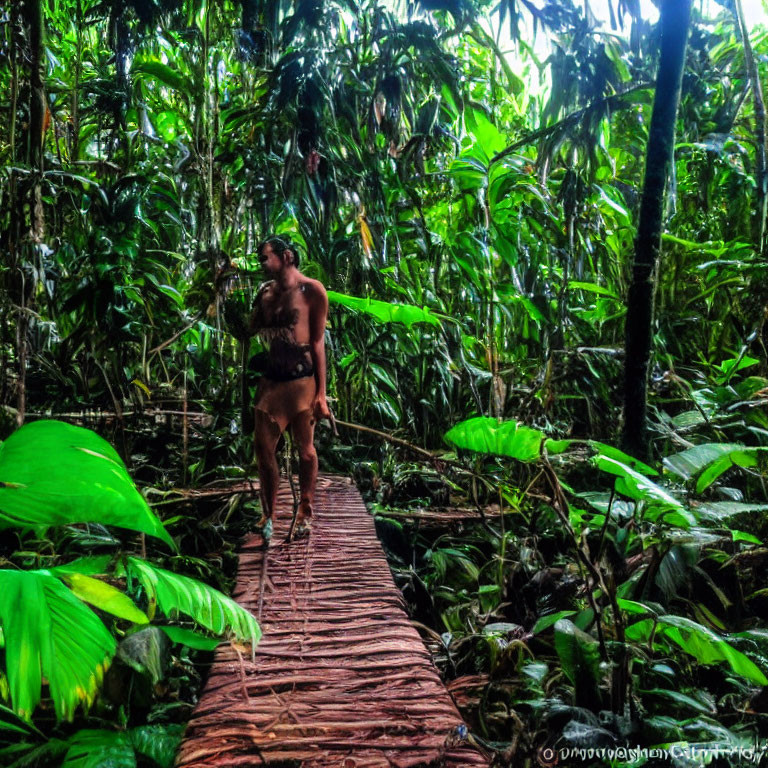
(284, 309)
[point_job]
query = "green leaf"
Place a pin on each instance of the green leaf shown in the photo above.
(157, 742)
(38, 614)
(592, 288)
(207, 606)
(717, 511)
(681, 699)
(579, 655)
(90, 565)
(555, 447)
(52, 473)
(90, 748)
(636, 486)
(545, 622)
(497, 438)
(688, 419)
(383, 311)
(743, 536)
(382, 375)
(699, 641)
(487, 139)
(710, 460)
(735, 364)
(632, 606)
(164, 74)
(624, 458)
(191, 639)
(746, 457)
(170, 127)
(104, 596)
(560, 446)
(11, 723)
(22, 754)
(689, 463)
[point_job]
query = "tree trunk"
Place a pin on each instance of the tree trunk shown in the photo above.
(32, 19)
(761, 167)
(675, 22)
(74, 153)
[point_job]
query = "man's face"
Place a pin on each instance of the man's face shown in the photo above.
(270, 262)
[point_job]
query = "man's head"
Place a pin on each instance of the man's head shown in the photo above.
(275, 254)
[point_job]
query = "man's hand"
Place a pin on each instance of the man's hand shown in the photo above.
(320, 409)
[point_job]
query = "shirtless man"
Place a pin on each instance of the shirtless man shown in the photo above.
(289, 316)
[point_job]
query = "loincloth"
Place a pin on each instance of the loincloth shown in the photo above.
(285, 401)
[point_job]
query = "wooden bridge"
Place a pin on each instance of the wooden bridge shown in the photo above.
(341, 679)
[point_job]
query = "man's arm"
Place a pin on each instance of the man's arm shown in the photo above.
(318, 317)
(256, 319)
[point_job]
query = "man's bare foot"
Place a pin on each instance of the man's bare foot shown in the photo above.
(302, 526)
(264, 527)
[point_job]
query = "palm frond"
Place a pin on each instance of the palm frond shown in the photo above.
(37, 614)
(174, 594)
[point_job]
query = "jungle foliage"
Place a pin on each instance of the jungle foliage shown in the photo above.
(471, 199)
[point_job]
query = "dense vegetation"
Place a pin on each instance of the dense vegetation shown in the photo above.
(471, 197)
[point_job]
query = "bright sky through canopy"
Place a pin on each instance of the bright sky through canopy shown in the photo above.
(755, 11)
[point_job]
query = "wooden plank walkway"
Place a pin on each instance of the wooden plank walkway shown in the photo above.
(341, 679)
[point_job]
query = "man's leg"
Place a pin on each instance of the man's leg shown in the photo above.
(303, 431)
(265, 437)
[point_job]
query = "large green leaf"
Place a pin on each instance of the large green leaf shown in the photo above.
(100, 749)
(91, 748)
(709, 460)
(485, 138)
(559, 446)
(631, 483)
(497, 438)
(174, 594)
(681, 700)
(157, 742)
(579, 655)
(103, 596)
(718, 511)
(50, 633)
(702, 643)
(614, 453)
(689, 463)
(52, 473)
(164, 74)
(89, 565)
(383, 311)
(191, 638)
(545, 622)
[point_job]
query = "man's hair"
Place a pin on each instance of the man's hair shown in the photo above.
(280, 246)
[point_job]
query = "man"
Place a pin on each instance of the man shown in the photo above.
(289, 316)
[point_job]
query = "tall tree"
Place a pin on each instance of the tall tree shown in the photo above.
(32, 21)
(761, 166)
(675, 22)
